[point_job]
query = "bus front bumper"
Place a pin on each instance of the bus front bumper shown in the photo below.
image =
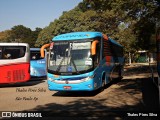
(83, 86)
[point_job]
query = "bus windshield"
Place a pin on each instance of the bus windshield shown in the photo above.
(70, 57)
(35, 55)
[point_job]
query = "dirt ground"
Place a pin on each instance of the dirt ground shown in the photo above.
(135, 94)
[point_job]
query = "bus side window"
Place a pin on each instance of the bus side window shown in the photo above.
(97, 56)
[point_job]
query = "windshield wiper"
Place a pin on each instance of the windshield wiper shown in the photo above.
(69, 56)
(59, 66)
(75, 66)
(72, 59)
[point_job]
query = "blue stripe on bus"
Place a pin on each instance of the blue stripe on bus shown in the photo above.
(77, 36)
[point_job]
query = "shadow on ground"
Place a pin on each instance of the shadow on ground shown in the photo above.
(129, 96)
(28, 83)
(91, 108)
(150, 94)
(81, 93)
(149, 86)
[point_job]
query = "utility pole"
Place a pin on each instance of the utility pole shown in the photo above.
(129, 58)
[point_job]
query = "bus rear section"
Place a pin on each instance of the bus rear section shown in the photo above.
(14, 62)
(37, 64)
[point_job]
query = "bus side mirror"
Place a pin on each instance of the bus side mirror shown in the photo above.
(93, 47)
(42, 49)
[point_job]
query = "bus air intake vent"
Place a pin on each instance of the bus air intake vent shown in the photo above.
(18, 75)
(9, 76)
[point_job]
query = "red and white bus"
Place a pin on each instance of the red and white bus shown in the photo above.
(14, 62)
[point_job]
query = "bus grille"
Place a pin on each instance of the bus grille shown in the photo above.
(18, 75)
(9, 76)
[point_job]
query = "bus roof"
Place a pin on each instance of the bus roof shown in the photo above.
(34, 49)
(81, 35)
(77, 36)
(14, 44)
(114, 42)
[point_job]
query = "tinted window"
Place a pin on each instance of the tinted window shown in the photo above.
(116, 50)
(35, 55)
(12, 52)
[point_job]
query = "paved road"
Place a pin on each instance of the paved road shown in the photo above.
(134, 93)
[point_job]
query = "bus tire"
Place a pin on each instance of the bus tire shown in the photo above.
(120, 74)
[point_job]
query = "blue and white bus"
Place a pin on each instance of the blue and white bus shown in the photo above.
(37, 64)
(83, 61)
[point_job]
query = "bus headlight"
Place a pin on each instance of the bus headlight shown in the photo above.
(33, 71)
(50, 79)
(90, 86)
(88, 78)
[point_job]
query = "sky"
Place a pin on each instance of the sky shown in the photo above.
(32, 13)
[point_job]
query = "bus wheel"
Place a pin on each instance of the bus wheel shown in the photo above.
(120, 75)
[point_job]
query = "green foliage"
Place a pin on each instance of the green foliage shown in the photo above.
(130, 22)
(20, 33)
(43, 37)
(5, 36)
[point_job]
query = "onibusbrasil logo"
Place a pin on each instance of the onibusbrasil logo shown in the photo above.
(21, 114)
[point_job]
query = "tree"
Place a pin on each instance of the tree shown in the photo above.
(106, 16)
(43, 37)
(5, 36)
(145, 28)
(33, 37)
(20, 33)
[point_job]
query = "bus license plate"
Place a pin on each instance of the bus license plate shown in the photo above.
(67, 87)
